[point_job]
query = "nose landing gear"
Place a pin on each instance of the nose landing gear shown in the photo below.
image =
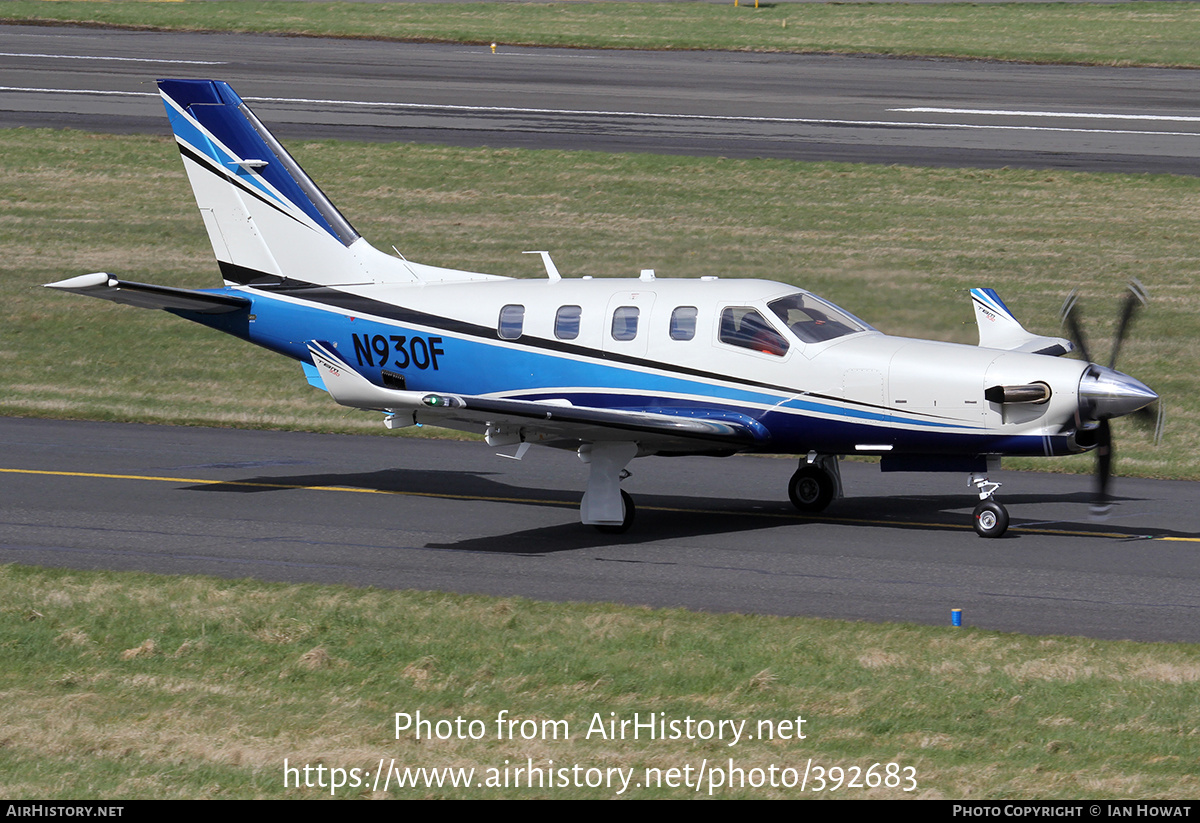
(990, 517)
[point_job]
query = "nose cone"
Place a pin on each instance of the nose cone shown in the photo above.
(1106, 393)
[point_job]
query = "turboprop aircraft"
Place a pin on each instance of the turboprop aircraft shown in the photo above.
(611, 368)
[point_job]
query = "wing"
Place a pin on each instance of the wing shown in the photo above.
(548, 422)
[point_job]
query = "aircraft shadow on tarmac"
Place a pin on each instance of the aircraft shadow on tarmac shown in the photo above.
(662, 517)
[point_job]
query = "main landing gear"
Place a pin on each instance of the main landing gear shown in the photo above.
(990, 517)
(816, 483)
(605, 504)
(628, 512)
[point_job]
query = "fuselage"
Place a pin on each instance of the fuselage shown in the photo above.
(748, 347)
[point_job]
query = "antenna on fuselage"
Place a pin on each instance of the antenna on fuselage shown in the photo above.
(551, 269)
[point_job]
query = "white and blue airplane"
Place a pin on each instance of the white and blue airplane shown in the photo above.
(612, 368)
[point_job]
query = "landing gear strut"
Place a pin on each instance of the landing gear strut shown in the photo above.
(990, 517)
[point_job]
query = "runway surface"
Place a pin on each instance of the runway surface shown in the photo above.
(879, 110)
(711, 534)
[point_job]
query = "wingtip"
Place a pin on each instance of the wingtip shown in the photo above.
(83, 281)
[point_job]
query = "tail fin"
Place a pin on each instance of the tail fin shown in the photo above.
(267, 220)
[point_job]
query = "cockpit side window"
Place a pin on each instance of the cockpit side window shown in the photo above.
(814, 320)
(745, 327)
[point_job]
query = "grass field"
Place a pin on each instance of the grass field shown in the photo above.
(126, 686)
(1141, 34)
(898, 246)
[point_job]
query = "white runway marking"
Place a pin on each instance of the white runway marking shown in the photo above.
(728, 118)
(82, 91)
(811, 121)
(121, 59)
(1165, 118)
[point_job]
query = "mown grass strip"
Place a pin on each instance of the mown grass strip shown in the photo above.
(128, 686)
(1133, 34)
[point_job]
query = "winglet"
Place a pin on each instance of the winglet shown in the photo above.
(999, 329)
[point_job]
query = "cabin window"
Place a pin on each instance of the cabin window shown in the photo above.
(745, 327)
(625, 323)
(683, 323)
(566, 322)
(512, 322)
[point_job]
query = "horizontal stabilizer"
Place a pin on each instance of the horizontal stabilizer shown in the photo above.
(147, 296)
(999, 329)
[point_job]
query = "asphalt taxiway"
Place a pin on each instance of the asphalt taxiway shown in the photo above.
(714, 534)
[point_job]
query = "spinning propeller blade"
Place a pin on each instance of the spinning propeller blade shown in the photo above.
(1105, 393)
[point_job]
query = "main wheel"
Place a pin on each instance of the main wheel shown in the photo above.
(811, 489)
(991, 519)
(630, 511)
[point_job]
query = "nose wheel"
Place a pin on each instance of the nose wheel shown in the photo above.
(990, 518)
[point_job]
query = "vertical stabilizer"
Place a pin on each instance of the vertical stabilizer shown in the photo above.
(266, 219)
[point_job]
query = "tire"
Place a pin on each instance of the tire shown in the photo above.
(811, 489)
(991, 519)
(630, 513)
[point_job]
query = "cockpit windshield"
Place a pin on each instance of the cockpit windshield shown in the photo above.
(814, 320)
